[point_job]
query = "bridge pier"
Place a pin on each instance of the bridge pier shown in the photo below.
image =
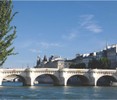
(96, 77)
(62, 81)
(93, 78)
(65, 81)
(28, 82)
(0, 82)
(92, 83)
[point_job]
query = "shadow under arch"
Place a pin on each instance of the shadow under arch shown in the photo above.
(106, 80)
(78, 80)
(46, 79)
(9, 80)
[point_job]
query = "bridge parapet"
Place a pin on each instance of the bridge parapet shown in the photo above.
(68, 69)
(103, 71)
(43, 69)
(6, 71)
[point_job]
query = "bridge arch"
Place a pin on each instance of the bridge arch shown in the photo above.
(13, 77)
(77, 80)
(105, 80)
(49, 78)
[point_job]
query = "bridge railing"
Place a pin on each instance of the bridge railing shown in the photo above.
(104, 71)
(75, 70)
(11, 71)
(100, 71)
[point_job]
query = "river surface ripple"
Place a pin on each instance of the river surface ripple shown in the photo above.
(56, 92)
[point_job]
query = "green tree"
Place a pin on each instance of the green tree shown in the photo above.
(72, 65)
(105, 63)
(102, 63)
(7, 31)
(81, 65)
(94, 64)
(77, 66)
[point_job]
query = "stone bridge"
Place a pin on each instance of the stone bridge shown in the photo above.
(59, 76)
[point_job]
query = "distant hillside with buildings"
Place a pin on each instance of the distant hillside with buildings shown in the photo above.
(109, 52)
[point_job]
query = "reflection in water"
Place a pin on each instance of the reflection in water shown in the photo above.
(12, 84)
(42, 91)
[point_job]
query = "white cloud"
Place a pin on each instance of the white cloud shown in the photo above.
(94, 28)
(70, 36)
(34, 45)
(89, 24)
(35, 50)
(49, 45)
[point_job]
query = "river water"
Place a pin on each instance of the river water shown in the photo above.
(16, 91)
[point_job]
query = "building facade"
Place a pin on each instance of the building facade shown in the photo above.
(52, 62)
(110, 52)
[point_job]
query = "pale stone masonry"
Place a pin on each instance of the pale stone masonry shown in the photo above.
(109, 52)
(59, 76)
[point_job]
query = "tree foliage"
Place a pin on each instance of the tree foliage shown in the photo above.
(105, 63)
(102, 63)
(77, 66)
(7, 31)
(94, 64)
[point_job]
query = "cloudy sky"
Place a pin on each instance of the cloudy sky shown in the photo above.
(61, 28)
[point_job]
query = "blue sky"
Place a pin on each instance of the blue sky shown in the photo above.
(61, 28)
